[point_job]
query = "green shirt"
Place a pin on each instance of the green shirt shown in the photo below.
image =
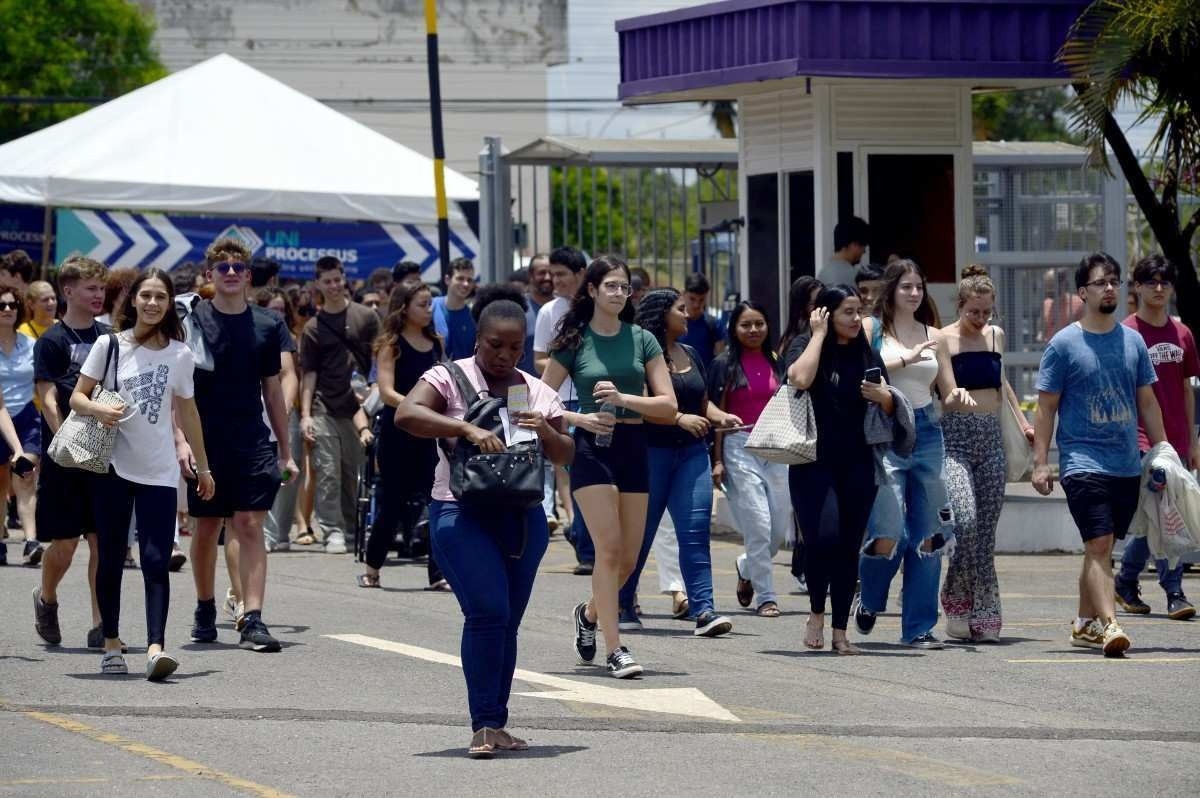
(620, 358)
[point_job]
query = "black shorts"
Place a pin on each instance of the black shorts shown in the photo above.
(65, 498)
(624, 463)
(29, 431)
(244, 484)
(1100, 504)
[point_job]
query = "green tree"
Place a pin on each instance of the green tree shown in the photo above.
(63, 49)
(1146, 51)
(1031, 115)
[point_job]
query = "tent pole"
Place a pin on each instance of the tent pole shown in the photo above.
(47, 217)
(439, 149)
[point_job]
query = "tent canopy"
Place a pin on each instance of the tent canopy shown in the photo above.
(221, 137)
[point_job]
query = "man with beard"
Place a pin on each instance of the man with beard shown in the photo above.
(1099, 375)
(538, 292)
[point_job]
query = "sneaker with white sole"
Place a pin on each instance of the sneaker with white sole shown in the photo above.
(335, 544)
(628, 620)
(1115, 641)
(709, 624)
(864, 619)
(585, 634)
(1088, 634)
(622, 665)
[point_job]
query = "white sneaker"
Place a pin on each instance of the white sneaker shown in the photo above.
(958, 628)
(335, 544)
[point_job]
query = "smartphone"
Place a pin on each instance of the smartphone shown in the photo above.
(518, 399)
(22, 466)
(873, 375)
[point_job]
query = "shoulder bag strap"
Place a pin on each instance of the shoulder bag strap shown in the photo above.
(465, 389)
(113, 357)
(354, 351)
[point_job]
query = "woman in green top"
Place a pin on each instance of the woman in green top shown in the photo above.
(620, 373)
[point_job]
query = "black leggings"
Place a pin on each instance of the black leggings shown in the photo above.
(833, 501)
(406, 467)
(116, 500)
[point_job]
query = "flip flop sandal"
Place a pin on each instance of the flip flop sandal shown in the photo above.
(680, 611)
(817, 642)
(483, 744)
(768, 609)
(745, 590)
(440, 586)
(506, 742)
(306, 539)
(845, 648)
(113, 664)
(366, 580)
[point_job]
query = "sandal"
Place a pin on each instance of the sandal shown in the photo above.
(745, 590)
(113, 664)
(680, 608)
(368, 580)
(483, 744)
(845, 648)
(307, 539)
(441, 586)
(814, 638)
(506, 742)
(768, 609)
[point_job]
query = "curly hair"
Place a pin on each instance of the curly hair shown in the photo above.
(583, 307)
(652, 314)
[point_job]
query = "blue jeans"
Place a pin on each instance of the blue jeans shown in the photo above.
(909, 509)
(491, 563)
(680, 483)
(1133, 562)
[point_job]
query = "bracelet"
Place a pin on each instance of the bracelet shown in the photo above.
(202, 472)
(903, 364)
(677, 417)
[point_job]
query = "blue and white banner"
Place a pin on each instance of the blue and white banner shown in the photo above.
(21, 228)
(141, 240)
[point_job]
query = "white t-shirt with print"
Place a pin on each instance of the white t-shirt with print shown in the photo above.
(546, 330)
(149, 380)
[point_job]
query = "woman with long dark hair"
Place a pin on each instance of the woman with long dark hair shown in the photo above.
(911, 523)
(620, 373)
(833, 496)
(680, 478)
(152, 369)
(407, 347)
(741, 381)
(491, 555)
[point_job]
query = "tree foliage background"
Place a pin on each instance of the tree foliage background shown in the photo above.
(56, 49)
(1030, 115)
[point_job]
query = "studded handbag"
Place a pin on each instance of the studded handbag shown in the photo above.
(786, 430)
(82, 441)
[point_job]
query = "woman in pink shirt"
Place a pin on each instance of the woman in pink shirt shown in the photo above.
(741, 381)
(489, 557)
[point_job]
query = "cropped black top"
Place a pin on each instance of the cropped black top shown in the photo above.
(976, 370)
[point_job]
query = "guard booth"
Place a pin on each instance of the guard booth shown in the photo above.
(847, 107)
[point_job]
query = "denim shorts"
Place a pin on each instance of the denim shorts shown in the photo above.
(28, 424)
(623, 464)
(1101, 504)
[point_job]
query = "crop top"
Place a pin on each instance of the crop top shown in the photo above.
(977, 370)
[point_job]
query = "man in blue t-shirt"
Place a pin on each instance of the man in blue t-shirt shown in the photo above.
(1096, 376)
(452, 315)
(704, 333)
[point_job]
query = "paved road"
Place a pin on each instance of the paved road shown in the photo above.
(365, 699)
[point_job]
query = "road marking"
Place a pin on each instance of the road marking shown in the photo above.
(91, 780)
(912, 765)
(670, 700)
(1102, 660)
(154, 754)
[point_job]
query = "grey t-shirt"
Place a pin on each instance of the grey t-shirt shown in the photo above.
(837, 272)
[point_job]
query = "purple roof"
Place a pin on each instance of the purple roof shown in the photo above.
(739, 41)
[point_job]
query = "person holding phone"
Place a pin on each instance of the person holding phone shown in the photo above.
(489, 555)
(833, 496)
(621, 375)
(151, 369)
(911, 522)
(407, 348)
(741, 381)
(20, 446)
(680, 477)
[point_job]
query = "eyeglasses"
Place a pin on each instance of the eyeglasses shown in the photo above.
(612, 289)
(1155, 285)
(237, 267)
(1103, 285)
(9, 305)
(979, 314)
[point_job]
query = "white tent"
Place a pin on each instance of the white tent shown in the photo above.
(223, 138)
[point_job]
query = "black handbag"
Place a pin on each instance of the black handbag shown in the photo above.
(509, 480)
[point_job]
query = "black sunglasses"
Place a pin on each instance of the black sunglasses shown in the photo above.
(9, 305)
(225, 267)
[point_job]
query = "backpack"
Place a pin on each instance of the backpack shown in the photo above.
(510, 480)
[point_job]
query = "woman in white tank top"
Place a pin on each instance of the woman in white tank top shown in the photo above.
(911, 522)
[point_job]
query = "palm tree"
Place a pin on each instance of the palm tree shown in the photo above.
(724, 117)
(1146, 51)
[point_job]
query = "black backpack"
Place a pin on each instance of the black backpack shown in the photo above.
(511, 480)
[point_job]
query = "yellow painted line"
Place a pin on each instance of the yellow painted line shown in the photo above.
(911, 765)
(194, 769)
(85, 780)
(1099, 660)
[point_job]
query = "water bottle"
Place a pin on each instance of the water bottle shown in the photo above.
(1158, 480)
(604, 439)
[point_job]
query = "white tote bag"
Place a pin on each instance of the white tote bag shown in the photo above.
(1017, 452)
(786, 432)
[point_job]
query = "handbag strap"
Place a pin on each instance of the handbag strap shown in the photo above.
(113, 357)
(355, 352)
(465, 389)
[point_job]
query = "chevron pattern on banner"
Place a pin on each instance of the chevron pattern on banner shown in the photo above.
(138, 240)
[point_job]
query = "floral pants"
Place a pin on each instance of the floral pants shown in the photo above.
(975, 474)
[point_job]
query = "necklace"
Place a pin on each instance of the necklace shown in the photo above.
(71, 331)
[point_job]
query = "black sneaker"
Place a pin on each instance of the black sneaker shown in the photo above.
(927, 642)
(864, 619)
(45, 619)
(256, 636)
(1179, 608)
(204, 623)
(621, 664)
(583, 569)
(585, 634)
(709, 624)
(1129, 598)
(3, 553)
(32, 554)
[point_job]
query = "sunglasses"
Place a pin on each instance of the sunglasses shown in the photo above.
(9, 306)
(237, 267)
